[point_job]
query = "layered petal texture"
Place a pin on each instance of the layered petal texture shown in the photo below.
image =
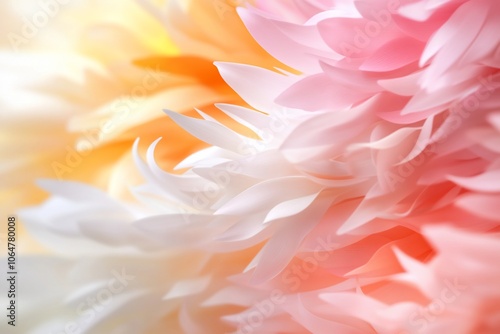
(351, 185)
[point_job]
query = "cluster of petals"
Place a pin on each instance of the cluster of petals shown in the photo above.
(358, 193)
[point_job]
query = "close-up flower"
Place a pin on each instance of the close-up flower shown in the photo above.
(84, 93)
(271, 167)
